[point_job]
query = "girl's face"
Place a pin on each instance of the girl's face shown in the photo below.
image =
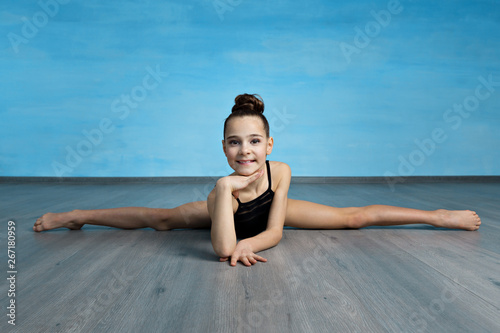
(246, 145)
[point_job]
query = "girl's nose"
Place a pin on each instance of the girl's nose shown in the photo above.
(244, 149)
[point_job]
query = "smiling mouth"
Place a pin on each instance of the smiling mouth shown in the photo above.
(246, 162)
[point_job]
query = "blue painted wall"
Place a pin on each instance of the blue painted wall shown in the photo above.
(352, 88)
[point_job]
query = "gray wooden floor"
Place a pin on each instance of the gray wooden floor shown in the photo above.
(399, 279)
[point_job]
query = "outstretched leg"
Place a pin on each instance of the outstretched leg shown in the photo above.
(309, 215)
(190, 215)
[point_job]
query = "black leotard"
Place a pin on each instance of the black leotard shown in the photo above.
(251, 217)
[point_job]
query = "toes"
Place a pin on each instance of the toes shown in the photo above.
(38, 225)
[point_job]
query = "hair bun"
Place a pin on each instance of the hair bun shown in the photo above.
(248, 103)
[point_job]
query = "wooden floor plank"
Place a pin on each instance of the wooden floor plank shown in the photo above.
(407, 278)
(452, 259)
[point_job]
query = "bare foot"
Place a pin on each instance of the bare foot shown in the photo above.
(457, 219)
(57, 220)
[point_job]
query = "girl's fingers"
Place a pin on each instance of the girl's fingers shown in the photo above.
(246, 180)
(259, 258)
(248, 260)
(234, 260)
(240, 182)
(245, 261)
(255, 176)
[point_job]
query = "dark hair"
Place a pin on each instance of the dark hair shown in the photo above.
(248, 105)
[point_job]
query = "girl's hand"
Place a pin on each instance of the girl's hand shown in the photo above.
(236, 183)
(243, 253)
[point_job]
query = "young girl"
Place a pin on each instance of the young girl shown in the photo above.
(251, 204)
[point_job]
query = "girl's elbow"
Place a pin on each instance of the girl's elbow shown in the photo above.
(224, 252)
(277, 236)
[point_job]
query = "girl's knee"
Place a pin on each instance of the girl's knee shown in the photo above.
(161, 220)
(362, 217)
(355, 221)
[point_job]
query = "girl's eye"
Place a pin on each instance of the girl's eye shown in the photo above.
(255, 141)
(233, 142)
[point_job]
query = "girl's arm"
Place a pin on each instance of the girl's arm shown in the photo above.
(245, 249)
(220, 207)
